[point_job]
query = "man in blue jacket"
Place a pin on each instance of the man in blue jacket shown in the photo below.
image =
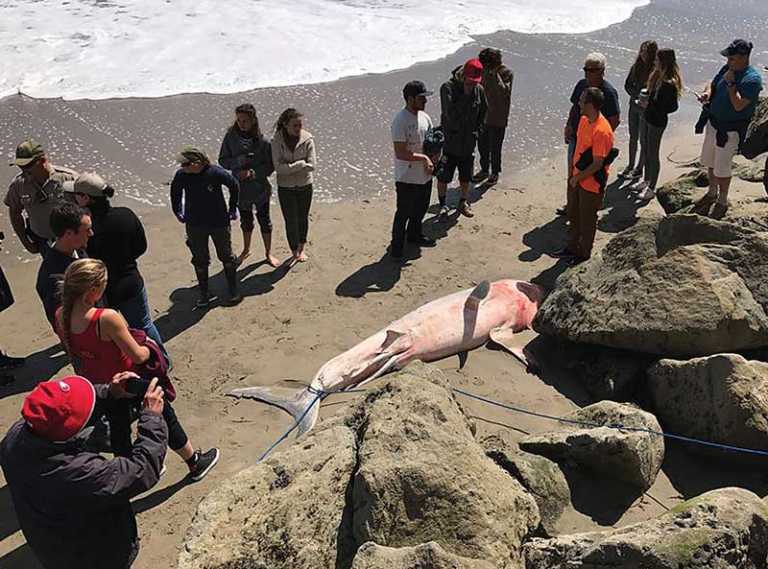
(206, 215)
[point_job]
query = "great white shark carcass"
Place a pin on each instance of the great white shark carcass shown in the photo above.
(450, 325)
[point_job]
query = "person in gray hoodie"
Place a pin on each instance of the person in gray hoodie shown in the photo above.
(293, 154)
(248, 155)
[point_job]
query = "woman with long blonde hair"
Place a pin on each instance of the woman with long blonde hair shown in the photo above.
(101, 345)
(665, 87)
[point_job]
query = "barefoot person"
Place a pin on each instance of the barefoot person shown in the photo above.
(462, 116)
(731, 99)
(665, 86)
(101, 346)
(72, 505)
(637, 80)
(247, 154)
(119, 240)
(413, 170)
(206, 216)
(293, 155)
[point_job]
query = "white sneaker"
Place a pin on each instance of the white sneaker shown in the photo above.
(646, 195)
(639, 186)
(444, 211)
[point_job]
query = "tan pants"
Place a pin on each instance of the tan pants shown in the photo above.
(582, 211)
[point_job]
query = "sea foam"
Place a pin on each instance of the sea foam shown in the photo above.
(148, 48)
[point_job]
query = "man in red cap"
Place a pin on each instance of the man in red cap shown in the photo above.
(463, 113)
(74, 505)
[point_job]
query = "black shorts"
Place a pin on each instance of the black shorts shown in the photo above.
(448, 165)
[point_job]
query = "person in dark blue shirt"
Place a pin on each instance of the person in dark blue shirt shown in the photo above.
(732, 97)
(594, 76)
(206, 215)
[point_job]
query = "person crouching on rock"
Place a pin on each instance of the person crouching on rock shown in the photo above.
(73, 505)
(293, 154)
(206, 215)
(248, 155)
(101, 346)
(585, 192)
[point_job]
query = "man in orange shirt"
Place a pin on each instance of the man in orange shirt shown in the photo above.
(585, 192)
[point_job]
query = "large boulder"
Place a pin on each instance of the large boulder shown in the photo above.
(427, 555)
(541, 477)
(682, 192)
(722, 398)
(282, 513)
(423, 477)
(592, 441)
(684, 285)
(722, 529)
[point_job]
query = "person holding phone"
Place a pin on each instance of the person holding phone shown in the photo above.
(73, 505)
(101, 346)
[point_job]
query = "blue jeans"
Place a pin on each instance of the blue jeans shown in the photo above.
(136, 312)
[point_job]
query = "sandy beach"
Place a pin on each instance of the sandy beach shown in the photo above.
(292, 321)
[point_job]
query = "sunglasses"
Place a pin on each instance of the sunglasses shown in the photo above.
(186, 164)
(592, 69)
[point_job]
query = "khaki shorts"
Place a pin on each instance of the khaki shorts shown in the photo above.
(719, 159)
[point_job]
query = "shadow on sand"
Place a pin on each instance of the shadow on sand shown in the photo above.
(40, 366)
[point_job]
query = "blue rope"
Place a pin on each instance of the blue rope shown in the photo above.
(321, 394)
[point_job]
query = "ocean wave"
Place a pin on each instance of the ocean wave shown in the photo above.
(99, 49)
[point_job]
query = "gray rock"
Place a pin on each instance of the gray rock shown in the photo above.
(722, 529)
(631, 456)
(541, 477)
(684, 285)
(423, 477)
(681, 193)
(425, 556)
(722, 398)
(283, 513)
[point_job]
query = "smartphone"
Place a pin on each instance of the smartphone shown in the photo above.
(137, 387)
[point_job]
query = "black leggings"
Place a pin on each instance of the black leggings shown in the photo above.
(262, 216)
(295, 203)
(119, 415)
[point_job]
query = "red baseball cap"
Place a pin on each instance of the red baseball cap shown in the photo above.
(59, 409)
(473, 70)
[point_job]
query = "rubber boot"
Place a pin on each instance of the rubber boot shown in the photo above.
(202, 283)
(233, 282)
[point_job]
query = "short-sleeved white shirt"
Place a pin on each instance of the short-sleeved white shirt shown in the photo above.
(411, 129)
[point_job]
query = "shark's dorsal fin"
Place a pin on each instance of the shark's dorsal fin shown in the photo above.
(478, 294)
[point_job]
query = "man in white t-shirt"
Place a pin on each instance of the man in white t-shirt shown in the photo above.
(413, 169)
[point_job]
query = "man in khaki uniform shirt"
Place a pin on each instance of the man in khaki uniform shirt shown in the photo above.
(33, 193)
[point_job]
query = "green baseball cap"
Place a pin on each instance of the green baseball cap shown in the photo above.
(27, 152)
(189, 153)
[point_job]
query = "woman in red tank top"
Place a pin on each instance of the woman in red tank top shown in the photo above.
(101, 346)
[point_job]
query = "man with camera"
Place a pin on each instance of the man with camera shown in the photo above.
(497, 83)
(73, 505)
(33, 194)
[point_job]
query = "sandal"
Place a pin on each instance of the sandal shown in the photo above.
(719, 211)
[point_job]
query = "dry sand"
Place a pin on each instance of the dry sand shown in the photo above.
(292, 321)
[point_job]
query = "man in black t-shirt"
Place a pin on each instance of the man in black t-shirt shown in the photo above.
(594, 76)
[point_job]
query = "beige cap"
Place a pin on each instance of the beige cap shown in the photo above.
(90, 184)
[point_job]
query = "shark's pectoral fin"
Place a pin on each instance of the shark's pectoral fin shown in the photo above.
(506, 338)
(478, 294)
(463, 359)
(395, 342)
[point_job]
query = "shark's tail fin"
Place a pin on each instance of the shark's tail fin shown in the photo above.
(303, 405)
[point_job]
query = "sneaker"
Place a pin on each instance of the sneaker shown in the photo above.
(718, 211)
(8, 362)
(443, 211)
(561, 210)
(563, 253)
(492, 180)
(626, 172)
(423, 241)
(480, 176)
(203, 462)
(465, 209)
(204, 301)
(234, 299)
(639, 186)
(646, 195)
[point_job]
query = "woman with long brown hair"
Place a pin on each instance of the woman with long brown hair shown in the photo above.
(247, 154)
(665, 87)
(293, 154)
(101, 345)
(637, 79)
